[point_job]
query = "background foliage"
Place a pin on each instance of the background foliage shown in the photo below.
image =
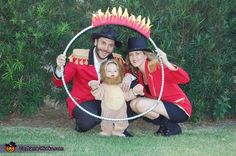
(199, 35)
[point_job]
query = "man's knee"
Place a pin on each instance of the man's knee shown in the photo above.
(83, 126)
(84, 121)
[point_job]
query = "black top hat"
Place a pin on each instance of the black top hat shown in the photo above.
(136, 44)
(107, 32)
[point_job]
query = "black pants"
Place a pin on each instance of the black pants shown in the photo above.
(84, 121)
(176, 114)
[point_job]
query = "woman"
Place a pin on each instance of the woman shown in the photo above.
(174, 106)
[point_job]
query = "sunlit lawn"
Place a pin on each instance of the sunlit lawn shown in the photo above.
(199, 141)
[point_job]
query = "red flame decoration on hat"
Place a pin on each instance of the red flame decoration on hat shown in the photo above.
(118, 17)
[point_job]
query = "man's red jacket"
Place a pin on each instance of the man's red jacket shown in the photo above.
(80, 70)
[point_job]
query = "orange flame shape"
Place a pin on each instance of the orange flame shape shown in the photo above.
(118, 17)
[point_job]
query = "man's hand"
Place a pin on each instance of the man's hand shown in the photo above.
(61, 61)
(97, 91)
(94, 84)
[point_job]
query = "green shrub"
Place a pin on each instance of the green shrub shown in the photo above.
(198, 35)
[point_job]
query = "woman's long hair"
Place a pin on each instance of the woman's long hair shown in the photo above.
(134, 70)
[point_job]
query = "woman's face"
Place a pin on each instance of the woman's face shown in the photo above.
(137, 58)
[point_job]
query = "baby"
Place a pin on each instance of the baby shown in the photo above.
(113, 99)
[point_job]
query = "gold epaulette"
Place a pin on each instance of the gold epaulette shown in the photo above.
(153, 65)
(79, 56)
(119, 58)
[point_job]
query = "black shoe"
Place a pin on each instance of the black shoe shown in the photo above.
(161, 130)
(127, 134)
(159, 121)
(172, 129)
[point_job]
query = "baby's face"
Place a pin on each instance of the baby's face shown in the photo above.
(112, 70)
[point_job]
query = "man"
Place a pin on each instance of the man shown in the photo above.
(84, 66)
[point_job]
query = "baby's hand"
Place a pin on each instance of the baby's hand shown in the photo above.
(138, 90)
(93, 84)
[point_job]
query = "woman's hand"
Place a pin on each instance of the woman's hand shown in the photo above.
(126, 82)
(61, 61)
(163, 57)
(138, 90)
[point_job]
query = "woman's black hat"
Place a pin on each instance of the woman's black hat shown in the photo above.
(137, 43)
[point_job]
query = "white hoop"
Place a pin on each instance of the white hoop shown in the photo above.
(100, 117)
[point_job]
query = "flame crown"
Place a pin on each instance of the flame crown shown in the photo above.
(118, 17)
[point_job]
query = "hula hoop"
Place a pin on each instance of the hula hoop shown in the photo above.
(105, 118)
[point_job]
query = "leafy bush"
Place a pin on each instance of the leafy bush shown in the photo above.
(196, 34)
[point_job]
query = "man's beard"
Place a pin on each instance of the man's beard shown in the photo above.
(97, 53)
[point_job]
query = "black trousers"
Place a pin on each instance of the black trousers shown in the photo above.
(84, 121)
(175, 113)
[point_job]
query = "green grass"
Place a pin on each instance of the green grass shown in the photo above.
(194, 141)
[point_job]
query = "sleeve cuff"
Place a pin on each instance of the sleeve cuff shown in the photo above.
(173, 67)
(57, 73)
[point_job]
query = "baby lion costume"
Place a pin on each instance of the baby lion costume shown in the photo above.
(113, 99)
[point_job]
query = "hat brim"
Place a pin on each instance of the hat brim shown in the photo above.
(139, 49)
(97, 35)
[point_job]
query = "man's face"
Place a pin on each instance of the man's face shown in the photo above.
(112, 70)
(104, 47)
